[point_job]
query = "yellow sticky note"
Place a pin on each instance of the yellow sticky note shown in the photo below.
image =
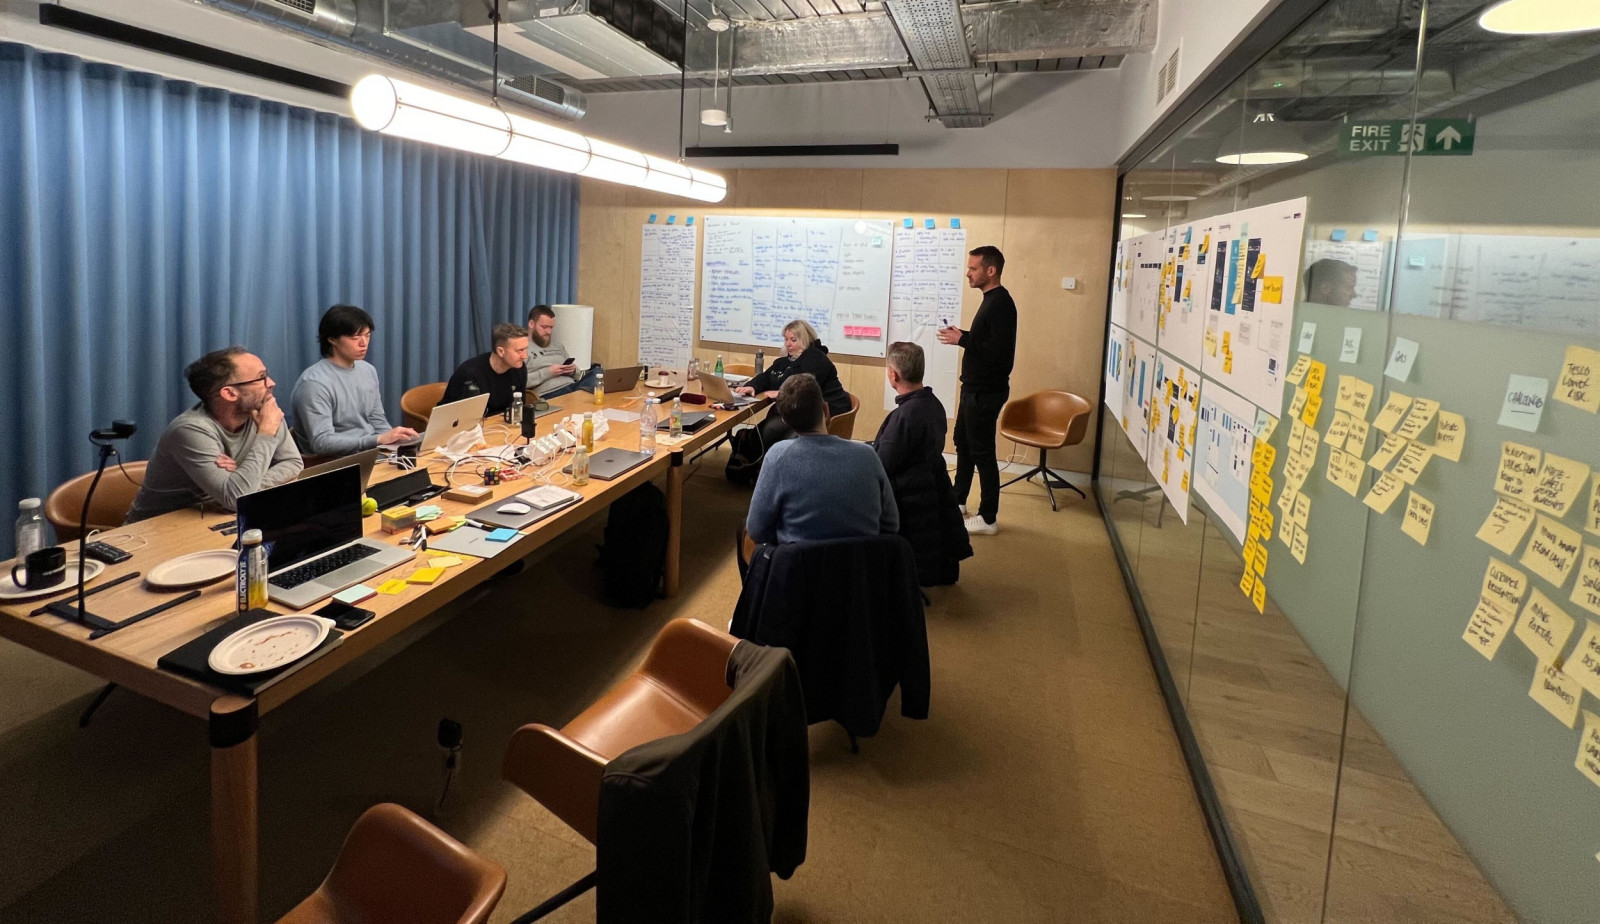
(1354, 396)
(1544, 627)
(1558, 693)
(1552, 551)
(1286, 531)
(1308, 447)
(1286, 499)
(1557, 484)
(1309, 414)
(1344, 471)
(1302, 511)
(1419, 518)
(1188, 284)
(444, 561)
(1591, 519)
(1579, 381)
(1271, 289)
(1503, 585)
(1589, 750)
(1487, 627)
(1227, 364)
(1297, 372)
(1261, 266)
(1258, 595)
(1316, 376)
(1450, 437)
(1413, 459)
(1507, 523)
(1247, 584)
(1586, 593)
(1297, 545)
(1394, 409)
(392, 587)
(1205, 244)
(424, 575)
(1355, 441)
(1298, 402)
(1584, 664)
(1260, 564)
(1338, 429)
(1519, 466)
(1422, 412)
(1264, 455)
(1383, 492)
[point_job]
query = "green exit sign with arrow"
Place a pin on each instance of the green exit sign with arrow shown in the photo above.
(1392, 137)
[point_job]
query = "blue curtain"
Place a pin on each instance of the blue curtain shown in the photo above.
(147, 221)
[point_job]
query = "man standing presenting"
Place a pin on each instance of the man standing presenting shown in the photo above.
(549, 373)
(991, 347)
(498, 372)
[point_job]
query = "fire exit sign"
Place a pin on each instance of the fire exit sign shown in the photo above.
(1393, 137)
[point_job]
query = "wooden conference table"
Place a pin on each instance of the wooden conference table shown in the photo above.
(128, 656)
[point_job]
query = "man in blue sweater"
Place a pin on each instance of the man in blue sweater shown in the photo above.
(338, 408)
(818, 486)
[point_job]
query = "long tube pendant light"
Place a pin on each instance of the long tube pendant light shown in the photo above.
(407, 110)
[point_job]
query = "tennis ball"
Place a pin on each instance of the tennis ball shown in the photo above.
(368, 506)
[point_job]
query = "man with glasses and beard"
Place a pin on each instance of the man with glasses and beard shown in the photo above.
(233, 442)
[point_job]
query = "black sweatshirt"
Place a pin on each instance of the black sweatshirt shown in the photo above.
(476, 376)
(813, 359)
(991, 344)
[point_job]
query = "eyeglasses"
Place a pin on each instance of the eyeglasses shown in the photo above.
(262, 378)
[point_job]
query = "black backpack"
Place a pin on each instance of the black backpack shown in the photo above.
(635, 547)
(745, 452)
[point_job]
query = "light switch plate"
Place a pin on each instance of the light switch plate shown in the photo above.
(1069, 282)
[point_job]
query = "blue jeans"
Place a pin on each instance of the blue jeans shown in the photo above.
(586, 383)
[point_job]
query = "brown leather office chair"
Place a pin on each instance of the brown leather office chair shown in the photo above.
(844, 425)
(417, 403)
(395, 866)
(682, 680)
(108, 510)
(1046, 420)
(745, 369)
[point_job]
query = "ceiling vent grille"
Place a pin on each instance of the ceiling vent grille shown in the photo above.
(540, 87)
(308, 7)
(1167, 78)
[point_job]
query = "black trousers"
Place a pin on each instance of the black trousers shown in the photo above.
(976, 418)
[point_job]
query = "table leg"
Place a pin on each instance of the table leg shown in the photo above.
(235, 833)
(675, 476)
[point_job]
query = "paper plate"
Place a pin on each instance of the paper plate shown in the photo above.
(193, 570)
(10, 591)
(659, 383)
(269, 644)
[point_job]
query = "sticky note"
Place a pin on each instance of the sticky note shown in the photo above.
(1552, 551)
(652, 218)
(1356, 440)
(1591, 518)
(1401, 359)
(1258, 595)
(1338, 429)
(1519, 467)
(928, 223)
(392, 587)
(1557, 484)
(1579, 381)
(424, 575)
(1413, 459)
(1507, 523)
(1393, 410)
(1586, 592)
(1297, 372)
(444, 561)
(1356, 395)
(672, 219)
(1419, 518)
(1415, 422)
(1350, 349)
(1298, 402)
(1524, 403)
(1301, 513)
(905, 222)
(955, 223)
(1450, 437)
(1369, 235)
(1386, 451)
(1308, 336)
(1544, 627)
(1384, 490)
(1260, 564)
(1316, 375)
(502, 535)
(1503, 585)
(1309, 413)
(354, 595)
(1265, 424)
(1337, 235)
(689, 220)
(1297, 545)
(1558, 693)
(1271, 289)
(1345, 471)
(1247, 584)
(1589, 750)
(1584, 664)
(1486, 629)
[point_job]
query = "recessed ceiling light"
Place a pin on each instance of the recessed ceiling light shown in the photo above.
(717, 24)
(1541, 17)
(1169, 198)
(1134, 215)
(1257, 158)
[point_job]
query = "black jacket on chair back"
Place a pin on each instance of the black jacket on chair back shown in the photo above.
(910, 444)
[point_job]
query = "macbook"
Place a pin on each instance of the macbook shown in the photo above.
(716, 388)
(620, 379)
(447, 420)
(366, 460)
(692, 421)
(611, 463)
(313, 535)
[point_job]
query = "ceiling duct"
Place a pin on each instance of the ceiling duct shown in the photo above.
(586, 39)
(937, 41)
(1028, 31)
(376, 29)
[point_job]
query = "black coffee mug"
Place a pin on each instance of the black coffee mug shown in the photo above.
(45, 568)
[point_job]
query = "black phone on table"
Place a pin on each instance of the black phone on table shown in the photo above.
(344, 615)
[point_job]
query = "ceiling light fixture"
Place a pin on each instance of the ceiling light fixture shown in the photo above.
(1541, 17)
(1173, 198)
(717, 116)
(1134, 215)
(1260, 158)
(1264, 141)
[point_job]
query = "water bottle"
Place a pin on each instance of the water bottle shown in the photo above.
(719, 365)
(599, 388)
(252, 571)
(588, 433)
(580, 466)
(761, 361)
(30, 528)
(692, 372)
(647, 426)
(514, 412)
(675, 429)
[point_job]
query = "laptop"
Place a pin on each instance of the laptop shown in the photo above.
(312, 530)
(692, 421)
(716, 388)
(611, 463)
(447, 420)
(618, 380)
(366, 460)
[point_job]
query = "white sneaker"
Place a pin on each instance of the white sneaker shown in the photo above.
(976, 526)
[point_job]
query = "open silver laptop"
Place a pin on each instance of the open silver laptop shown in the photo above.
(716, 388)
(618, 380)
(313, 534)
(366, 459)
(449, 419)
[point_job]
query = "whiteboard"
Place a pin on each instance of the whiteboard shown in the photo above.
(758, 274)
(666, 296)
(1548, 283)
(929, 275)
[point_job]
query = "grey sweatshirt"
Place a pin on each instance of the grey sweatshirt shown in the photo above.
(183, 471)
(338, 411)
(540, 359)
(816, 487)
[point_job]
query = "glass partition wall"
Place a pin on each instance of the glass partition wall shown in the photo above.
(1382, 622)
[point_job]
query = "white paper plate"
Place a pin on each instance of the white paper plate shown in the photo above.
(9, 591)
(660, 383)
(193, 570)
(270, 643)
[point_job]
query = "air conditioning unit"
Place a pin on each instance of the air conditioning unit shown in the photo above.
(588, 39)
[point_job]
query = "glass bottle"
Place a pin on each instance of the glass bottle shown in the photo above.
(252, 571)
(514, 412)
(580, 466)
(648, 418)
(30, 528)
(599, 388)
(588, 432)
(719, 366)
(675, 429)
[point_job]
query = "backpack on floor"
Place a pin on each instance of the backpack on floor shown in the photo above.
(635, 547)
(744, 455)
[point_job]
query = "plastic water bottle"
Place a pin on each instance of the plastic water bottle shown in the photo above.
(252, 571)
(675, 428)
(514, 412)
(761, 361)
(588, 433)
(580, 466)
(719, 366)
(30, 528)
(647, 426)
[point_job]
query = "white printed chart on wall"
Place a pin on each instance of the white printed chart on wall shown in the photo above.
(762, 273)
(1116, 369)
(1224, 443)
(666, 295)
(1255, 268)
(928, 276)
(1138, 382)
(1174, 404)
(1185, 291)
(1121, 279)
(1145, 254)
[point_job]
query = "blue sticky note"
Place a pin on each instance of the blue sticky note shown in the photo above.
(955, 222)
(689, 220)
(672, 219)
(927, 223)
(1337, 235)
(907, 222)
(1369, 235)
(652, 218)
(505, 535)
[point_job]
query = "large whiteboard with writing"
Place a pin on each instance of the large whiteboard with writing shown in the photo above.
(929, 276)
(760, 273)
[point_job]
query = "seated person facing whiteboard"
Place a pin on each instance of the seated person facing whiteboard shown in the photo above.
(803, 353)
(234, 442)
(498, 372)
(338, 408)
(818, 486)
(549, 373)
(910, 444)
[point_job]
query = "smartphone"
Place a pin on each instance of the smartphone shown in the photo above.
(569, 360)
(344, 615)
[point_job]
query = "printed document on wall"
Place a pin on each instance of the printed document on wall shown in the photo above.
(926, 285)
(1146, 254)
(1224, 442)
(1136, 381)
(1174, 403)
(1185, 292)
(666, 295)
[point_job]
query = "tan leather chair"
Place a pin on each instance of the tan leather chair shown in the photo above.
(1046, 420)
(682, 680)
(745, 369)
(844, 425)
(108, 510)
(417, 403)
(394, 866)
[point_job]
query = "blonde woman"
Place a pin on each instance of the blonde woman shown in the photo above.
(803, 353)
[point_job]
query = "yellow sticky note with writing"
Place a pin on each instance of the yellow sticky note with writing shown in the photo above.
(1247, 584)
(1586, 593)
(424, 575)
(1393, 410)
(1272, 290)
(1579, 381)
(444, 561)
(1544, 627)
(1486, 629)
(392, 587)
(1558, 693)
(1419, 518)
(1260, 267)
(1309, 414)
(1422, 413)
(1355, 442)
(1258, 595)
(1383, 492)
(1552, 551)
(1354, 396)
(1503, 585)
(1316, 376)
(1297, 372)
(1451, 436)
(1557, 484)
(1589, 750)
(1506, 524)
(1297, 545)
(1412, 461)
(1338, 429)
(1584, 664)
(1301, 513)
(1519, 467)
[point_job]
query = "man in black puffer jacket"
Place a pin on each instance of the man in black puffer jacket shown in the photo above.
(910, 445)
